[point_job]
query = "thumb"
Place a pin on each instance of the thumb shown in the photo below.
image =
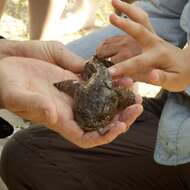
(131, 113)
(34, 105)
(159, 77)
(65, 58)
(132, 66)
(167, 80)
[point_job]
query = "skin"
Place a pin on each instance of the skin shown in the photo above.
(2, 6)
(119, 48)
(27, 73)
(160, 63)
(43, 16)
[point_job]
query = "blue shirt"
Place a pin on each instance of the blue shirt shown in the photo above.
(171, 20)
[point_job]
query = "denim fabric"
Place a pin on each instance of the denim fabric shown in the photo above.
(173, 139)
(171, 20)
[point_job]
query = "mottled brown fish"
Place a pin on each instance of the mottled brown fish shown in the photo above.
(96, 99)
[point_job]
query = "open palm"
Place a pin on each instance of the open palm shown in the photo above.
(27, 89)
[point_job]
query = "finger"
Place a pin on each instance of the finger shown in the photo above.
(134, 13)
(125, 82)
(112, 44)
(121, 56)
(107, 50)
(34, 104)
(72, 132)
(142, 76)
(130, 67)
(65, 58)
(128, 83)
(113, 39)
(131, 113)
(136, 30)
(93, 139)
(138, 99)
(159, 77)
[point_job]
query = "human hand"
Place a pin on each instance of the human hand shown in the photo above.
(49, 51)
(160, 63)
(119, 48)
(26, 88)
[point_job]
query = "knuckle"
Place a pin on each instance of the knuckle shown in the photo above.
(163, 52)
(145, 16)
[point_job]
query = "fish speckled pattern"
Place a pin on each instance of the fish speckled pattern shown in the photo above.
(96, 99)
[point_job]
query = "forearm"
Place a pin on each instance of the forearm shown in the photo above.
(43, 16)
(2, 5)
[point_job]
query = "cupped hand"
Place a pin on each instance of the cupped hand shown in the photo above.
(26, 88)
(160, 63)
